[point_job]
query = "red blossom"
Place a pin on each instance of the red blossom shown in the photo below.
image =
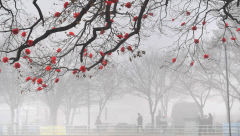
(196, 41)
(15, 31)
(39, 81)
(120, 36)
(44, 85)
(83, 69)
(187, 13)
(75, 15)
(151, 14)
(226, 25)
(58, 70)
(24, 34)
(101, 67)
(122, 49)
(30, 42)
(59, 50)
(135, 18)
(173, 19)
(194, 28)
(34, 79)
(192, 63)
(56, 80)
(104, 62)
(75, 71)
(39, 88)
(101, 53)
(17, 65)
(90, 55)
(183, 23)
(28, 78)
(57, 14)
(130, 48)
(145, 16)
(224, 39)
(71, 33)
(108, 3)
(114, 1)
(174, 60)
(233, 38)
(205, 56)
(128, 5)
(48, 68)
(126, 36)
(204, 22)
(110, 53)
(65, 4)
(85, 54)
(238, 29)
(53, 59)
(27, 51)
(5, 59)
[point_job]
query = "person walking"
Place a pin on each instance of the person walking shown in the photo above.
(139, 122)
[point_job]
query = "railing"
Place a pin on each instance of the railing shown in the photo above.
(117, 131)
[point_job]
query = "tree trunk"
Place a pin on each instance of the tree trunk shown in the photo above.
(53, 115)
(153, 119)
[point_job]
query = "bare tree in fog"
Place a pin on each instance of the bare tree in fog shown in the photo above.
(149, 78)
(105, 86)
(10, 91)
(194, 84)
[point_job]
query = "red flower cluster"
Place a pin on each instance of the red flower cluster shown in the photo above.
(120, 36)
(71, 33)
(191, 64)
(108, 3)
(30, 42)
(24, 34)
(53, 60)
(187, 13)
(5, 59)
(174, 60)
(17, 65)
(205, 56)
(128, 5)
(101, 53)
(75, 15)
(233, 38)
(135, 18)
(57, 14)
(83, 69)
(204, 22)
(224, 39)
(56, 80)
(65, 4)
(48, 68)
(122, 49)
(90, 55)
(130, 48)
(183, 23)
(58, 70)
(27, 51)
(75, 71)
(196, 41)
(39, 81)
(144, 16)
(15, 31)
(59, 50)
(126, 36)
(194, 28)
(28, 78)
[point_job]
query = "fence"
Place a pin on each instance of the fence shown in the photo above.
(116, 131)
